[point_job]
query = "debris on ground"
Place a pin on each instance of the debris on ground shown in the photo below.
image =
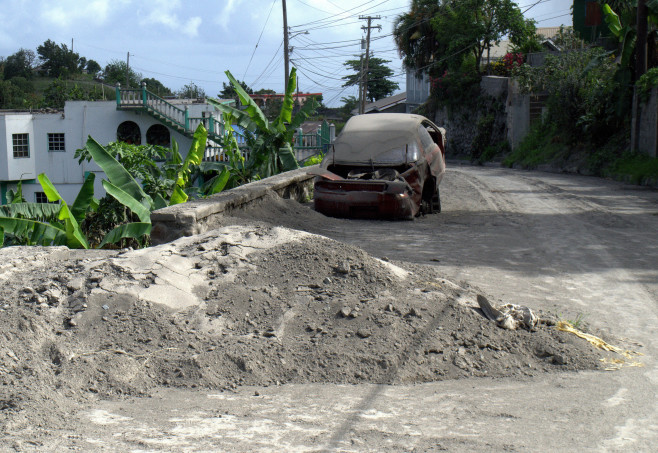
(613, 364)
(508, 316)
(244, 304)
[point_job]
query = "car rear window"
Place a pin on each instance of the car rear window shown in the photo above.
(425, 138)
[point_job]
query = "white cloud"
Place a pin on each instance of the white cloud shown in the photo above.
(225, 15)
(163, 12)
(68, 13)
(191, 27)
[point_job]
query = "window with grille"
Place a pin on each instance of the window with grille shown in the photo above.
(56, 142)
(40, 197)
(21, 144)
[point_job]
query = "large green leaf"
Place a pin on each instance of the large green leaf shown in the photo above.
(242, 119)
(628, 48)
(74, 236)
(252, 109)
(42, 211)
(159, 202)
(285, 116)
(85, 198)
(613, 22)
(178, 196)
(287, 158)
(304, 113)
(128, 230)
(127, 200)
(217, 182)
(116, 173)
(38, 233)
(195, 154)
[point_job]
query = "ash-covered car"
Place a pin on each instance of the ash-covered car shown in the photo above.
(382, 165)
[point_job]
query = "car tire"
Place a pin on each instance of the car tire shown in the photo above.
(436, 201)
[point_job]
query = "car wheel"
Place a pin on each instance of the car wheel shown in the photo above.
(436, 201)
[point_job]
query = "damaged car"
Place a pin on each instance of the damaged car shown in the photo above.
(382, 165)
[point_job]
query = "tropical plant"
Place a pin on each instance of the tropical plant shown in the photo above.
(46, 224)
(269, 142)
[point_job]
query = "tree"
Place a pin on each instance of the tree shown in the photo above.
(58, 60)
(261, 91)
(457, 28)
(349, 104)
(414, 35)
(378, 84)
(155, 86)
(20, 64)
(228, 91)
(93, 67)
(115, 72)
(191, 91)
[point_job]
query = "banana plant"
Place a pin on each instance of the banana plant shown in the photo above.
(194, 157)
(49, 223)
(125, 189)
(271, 150)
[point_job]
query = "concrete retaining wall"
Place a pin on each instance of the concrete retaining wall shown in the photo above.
(199, 216)
(644, 136)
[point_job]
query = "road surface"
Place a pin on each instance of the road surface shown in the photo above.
(577, 246)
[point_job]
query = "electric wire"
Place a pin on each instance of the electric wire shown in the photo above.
(259, 37)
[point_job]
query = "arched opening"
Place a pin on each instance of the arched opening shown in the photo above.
(158, 135)
(128, 132)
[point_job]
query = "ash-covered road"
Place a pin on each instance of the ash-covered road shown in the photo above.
(579, 247)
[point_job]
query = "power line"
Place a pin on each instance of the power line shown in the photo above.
(259, 37)
(336, 15)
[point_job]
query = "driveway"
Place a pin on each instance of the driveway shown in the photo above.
(577, 246)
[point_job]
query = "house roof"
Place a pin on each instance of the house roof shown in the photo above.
(383, 104)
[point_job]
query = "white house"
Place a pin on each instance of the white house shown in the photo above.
(45, 142)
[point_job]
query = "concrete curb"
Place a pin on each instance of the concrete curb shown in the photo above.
(201, 215)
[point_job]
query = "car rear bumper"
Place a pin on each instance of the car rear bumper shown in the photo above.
(364, 199)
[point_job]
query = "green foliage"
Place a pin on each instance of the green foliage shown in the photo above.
(229, 92)
(378, 74)
(93, 67)
(314, 160)
(19, 64)
(586, 100)
(115, 72)
(60, 91)
(349, 104)
(155, 86)
(542, 144)
(456, 89)
(437, 35)
(58, 60)
(646, 83)
(191, 91)
(270, 149)
(633, 167)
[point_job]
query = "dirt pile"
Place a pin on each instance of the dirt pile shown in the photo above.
(242, 305)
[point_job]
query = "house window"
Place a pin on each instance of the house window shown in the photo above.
(40, 197)
(56, 142)
(21, 144)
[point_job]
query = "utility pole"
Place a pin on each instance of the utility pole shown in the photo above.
(286, 56)
(127, 69)
(365, 73)
(641, 46)
(640, 68)
(361, 82)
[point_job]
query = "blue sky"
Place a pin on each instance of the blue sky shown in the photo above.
(178, 42)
